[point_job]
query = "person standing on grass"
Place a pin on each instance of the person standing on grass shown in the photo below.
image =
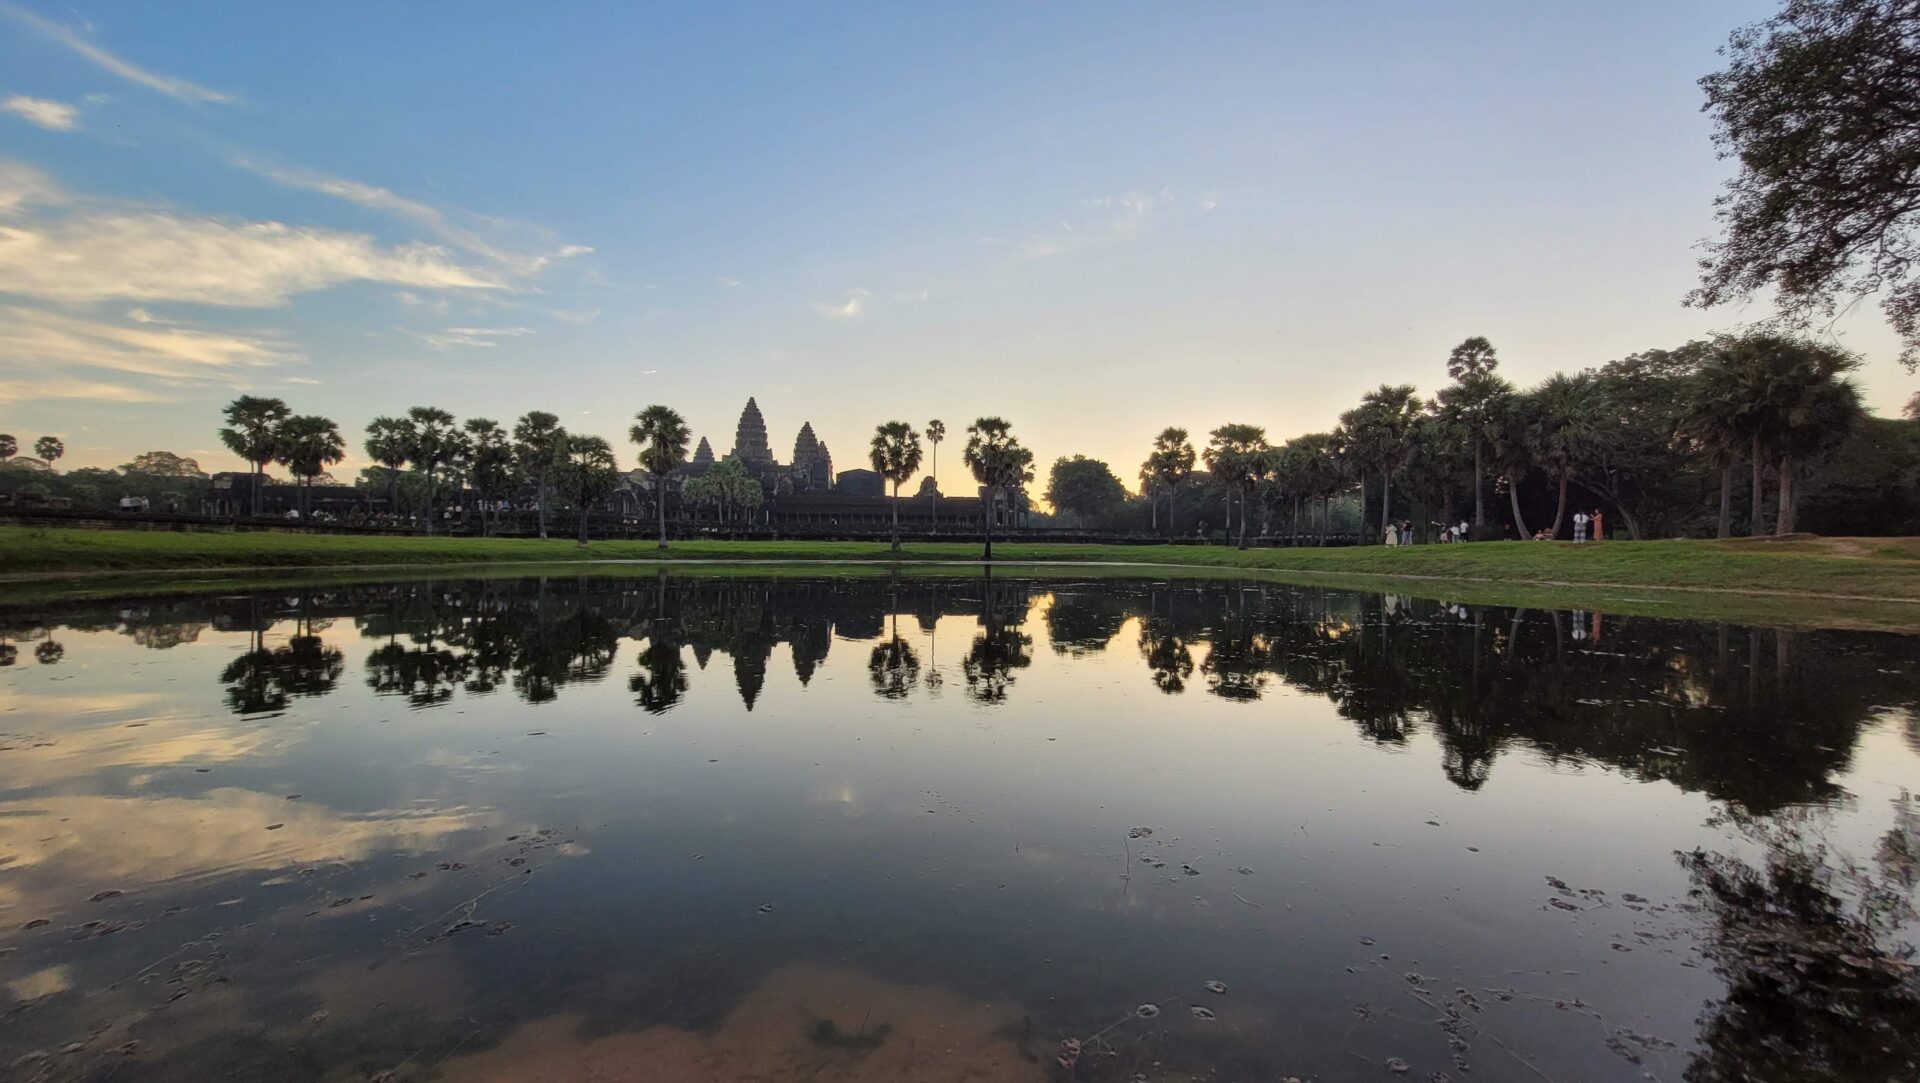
(1392, 534)
(1599, 525)
(1580, 521)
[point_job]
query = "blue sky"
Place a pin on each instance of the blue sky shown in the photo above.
(1095, 220)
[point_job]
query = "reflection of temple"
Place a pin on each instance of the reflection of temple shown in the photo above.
(807, 493)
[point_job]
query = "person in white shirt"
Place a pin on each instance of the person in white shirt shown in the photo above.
(1580, 521)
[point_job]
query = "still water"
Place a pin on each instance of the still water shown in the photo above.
(652, 827)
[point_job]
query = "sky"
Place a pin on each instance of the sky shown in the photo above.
(1093, 220)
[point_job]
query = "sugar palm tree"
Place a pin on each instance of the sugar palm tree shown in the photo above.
(308, 445)
(386, 444)
(1167, 468)
(251, 432)
(895, 455)
(1380, 438)
(1470, 406)
(48, 449)
(1822, 413)
(999, 464)
(9, 446)
(1559, 426)
(490, 465)
(539, 443)
(662, 435)
(936, 432)
(588, 475)
(1714, 420)
(1236, 454)
(433, 442)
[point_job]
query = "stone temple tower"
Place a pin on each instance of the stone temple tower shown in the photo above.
(703, 455)
(750, 439)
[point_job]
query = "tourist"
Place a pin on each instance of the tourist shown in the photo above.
(1392, 534)
(1599, 527)
(1579, 527)
(1460, 531)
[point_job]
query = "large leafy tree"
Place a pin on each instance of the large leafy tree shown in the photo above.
(1084, 488)
(588, 475)
(9, 446)
(252, 432)
(663, 436)
(1716, 420)
(308, 445)
(1820, 105)
(163, 464)
(1236, 455)
(492, 468)
(1168, 467)
(433, 444)
(1001, 466)
(1470, 405)
(1632, 458)
(539, 443)
(895, 455)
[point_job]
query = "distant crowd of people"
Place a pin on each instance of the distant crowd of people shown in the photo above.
(1587, 526)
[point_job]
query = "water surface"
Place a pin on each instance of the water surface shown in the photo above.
(652, 826)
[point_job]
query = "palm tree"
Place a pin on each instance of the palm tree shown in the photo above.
(1714, 419)
(1236, 454)
(308, 445)
(1559, 426)
(432, 443)
(936, 432)
(48, 449)
(1472, 404)
(662, 435)
(1168, 467)
(1822, 414)
(9, 447)
(386, 444)
(895, 455)
(1380, 437)
(999, 464)
(490, 466)
(251, 433)
(588, 475)
(1511, 456)
(539, 443)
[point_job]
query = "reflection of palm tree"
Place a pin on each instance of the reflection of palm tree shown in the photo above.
(1167, 654)
(894, 666)
(49, 653)
(662, 677)
(266, 680)
(996, 652)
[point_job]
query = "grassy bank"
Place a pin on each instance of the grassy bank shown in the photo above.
(1882, 569)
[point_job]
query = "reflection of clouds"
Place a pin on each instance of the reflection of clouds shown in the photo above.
(75, 845)
(82, 753)
(846, 797)
(41, 983)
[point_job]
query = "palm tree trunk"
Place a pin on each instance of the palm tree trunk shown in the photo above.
(1326, 517)
(1513, 498)
(896, 517)
(1560, 512)
(1153, 509)
(660, 506)
(1386, 501)
(393, 493)
(1726, 500)
(1363, 509)
(1755, 522)
(1244, 493)
(1784, 522)
(259, 483)
(1479, 505)
(540, 498)
(1173, 528)
(583, 522)
(987, 518)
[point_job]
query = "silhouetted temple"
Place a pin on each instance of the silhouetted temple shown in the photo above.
(806, 493)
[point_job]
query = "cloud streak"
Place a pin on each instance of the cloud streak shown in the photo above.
(44, 112)
(167, 351)
(179, 89)
(476, 337)
(851, 307)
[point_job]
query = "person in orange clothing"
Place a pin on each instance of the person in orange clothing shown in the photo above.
(1599, 527)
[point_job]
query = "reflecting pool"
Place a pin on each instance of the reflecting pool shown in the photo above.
(1029, 826)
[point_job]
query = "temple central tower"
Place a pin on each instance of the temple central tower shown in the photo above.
(750, 439)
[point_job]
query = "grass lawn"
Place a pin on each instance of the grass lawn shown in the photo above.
(1877, 568)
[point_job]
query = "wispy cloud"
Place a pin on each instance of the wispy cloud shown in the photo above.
(851, 307)
(165, 84)
(152, 255)
(168, 352)
(478, 337)
(61, 387)
(45, 112)
(731, 283)
(1103, 220)
(429, 218)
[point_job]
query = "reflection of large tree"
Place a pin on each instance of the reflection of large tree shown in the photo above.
(267, 679)
(662, 677)
(1168, 656)
(1820, 983)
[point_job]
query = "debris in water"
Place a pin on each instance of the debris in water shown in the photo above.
(1140, 832)
(35, 923)
(766, 908)
(1215, 986)
(1147, 1011)
(1205, 1015)
(1244, 870)
(275, 827)
(1398, 1066)
(1189, 870)
(103, 896)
